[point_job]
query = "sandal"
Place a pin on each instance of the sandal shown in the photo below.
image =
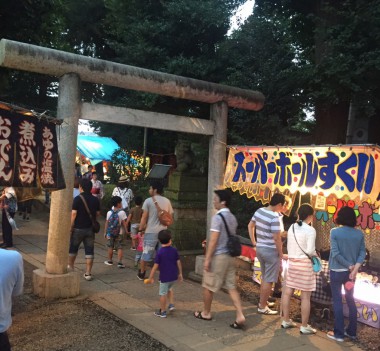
(198, 315)
(236, 325)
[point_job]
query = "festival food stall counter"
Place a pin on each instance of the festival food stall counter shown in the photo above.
(329, 177)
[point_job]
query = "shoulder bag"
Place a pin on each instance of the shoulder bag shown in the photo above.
(315, 260)
(164, 217)
(233, 243)
(95, 223)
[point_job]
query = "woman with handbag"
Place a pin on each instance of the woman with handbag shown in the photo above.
(346, 256)
(300, 274)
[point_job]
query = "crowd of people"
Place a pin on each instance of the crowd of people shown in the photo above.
(152, 242)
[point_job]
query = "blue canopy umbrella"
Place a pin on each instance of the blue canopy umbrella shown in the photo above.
(96, 148)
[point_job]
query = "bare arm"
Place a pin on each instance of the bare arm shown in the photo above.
(143, 221)
(251, 232)
(179, 265)
(73, 216)
(105, 228)
(278, 242)
(152, 272)
(128, 219)
(211, 246)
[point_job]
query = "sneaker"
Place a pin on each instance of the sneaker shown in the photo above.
(171, 307)
(141, 275)
(266, 310)
(108, 263)
(133, 248)
(160, 313)
(352, 337)
(87, 276)
(307, 330)
(270, 304)
(289, 324)
(120, 265)
(331, 335)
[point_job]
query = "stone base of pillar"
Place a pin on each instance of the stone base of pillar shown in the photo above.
(55, 286)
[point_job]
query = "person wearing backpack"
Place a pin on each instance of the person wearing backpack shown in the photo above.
(116, 218)
(150, 222)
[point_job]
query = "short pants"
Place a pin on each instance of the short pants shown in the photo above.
(221, 274)
(165, 287)
(270, 264)
(115, 242)
(87, 236)
(149, 246)
(134, 230)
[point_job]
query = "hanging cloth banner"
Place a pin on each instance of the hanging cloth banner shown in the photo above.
(352, 170)
(28, 150)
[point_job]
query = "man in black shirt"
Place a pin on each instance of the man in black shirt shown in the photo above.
(81, 225)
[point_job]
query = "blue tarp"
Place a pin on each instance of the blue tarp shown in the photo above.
(96, 148)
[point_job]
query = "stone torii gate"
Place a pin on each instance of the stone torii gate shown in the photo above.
(55, 281)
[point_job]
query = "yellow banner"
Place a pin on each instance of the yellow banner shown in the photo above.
(351, 170)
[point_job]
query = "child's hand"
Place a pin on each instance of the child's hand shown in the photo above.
(180, 277)
(149, 281)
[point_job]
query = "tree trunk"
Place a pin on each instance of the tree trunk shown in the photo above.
(331, 119)
(331, 123)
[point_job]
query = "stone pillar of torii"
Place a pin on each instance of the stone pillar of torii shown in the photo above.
(72, 69)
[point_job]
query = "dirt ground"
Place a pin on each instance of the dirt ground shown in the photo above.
(368, 337)
(80, 325)
(72, 325)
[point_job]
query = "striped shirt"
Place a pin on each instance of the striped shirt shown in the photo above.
(268, 223)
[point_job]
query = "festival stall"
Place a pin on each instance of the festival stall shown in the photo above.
(29, 155)
(331, 177)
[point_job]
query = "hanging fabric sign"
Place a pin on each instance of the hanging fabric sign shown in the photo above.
(351, 170)
(28, 151)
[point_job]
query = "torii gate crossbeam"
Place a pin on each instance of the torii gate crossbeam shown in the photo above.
(71, 70)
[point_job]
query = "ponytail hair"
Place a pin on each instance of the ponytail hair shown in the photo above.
(304, 211)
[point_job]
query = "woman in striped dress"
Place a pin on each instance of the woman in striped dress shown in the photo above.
(300, 275)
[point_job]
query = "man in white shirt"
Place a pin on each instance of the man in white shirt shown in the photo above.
(11, 284)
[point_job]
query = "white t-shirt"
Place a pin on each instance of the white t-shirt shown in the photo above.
(11, 284)
(126, 195)
(305, 235)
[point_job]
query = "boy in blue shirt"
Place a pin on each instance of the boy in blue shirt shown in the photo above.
(167, 260)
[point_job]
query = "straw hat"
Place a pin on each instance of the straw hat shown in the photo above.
(123, 179)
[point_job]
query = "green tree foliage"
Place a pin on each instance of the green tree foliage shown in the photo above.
(175, 36)
(36, 22)
(262, 56)
(340, 41)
